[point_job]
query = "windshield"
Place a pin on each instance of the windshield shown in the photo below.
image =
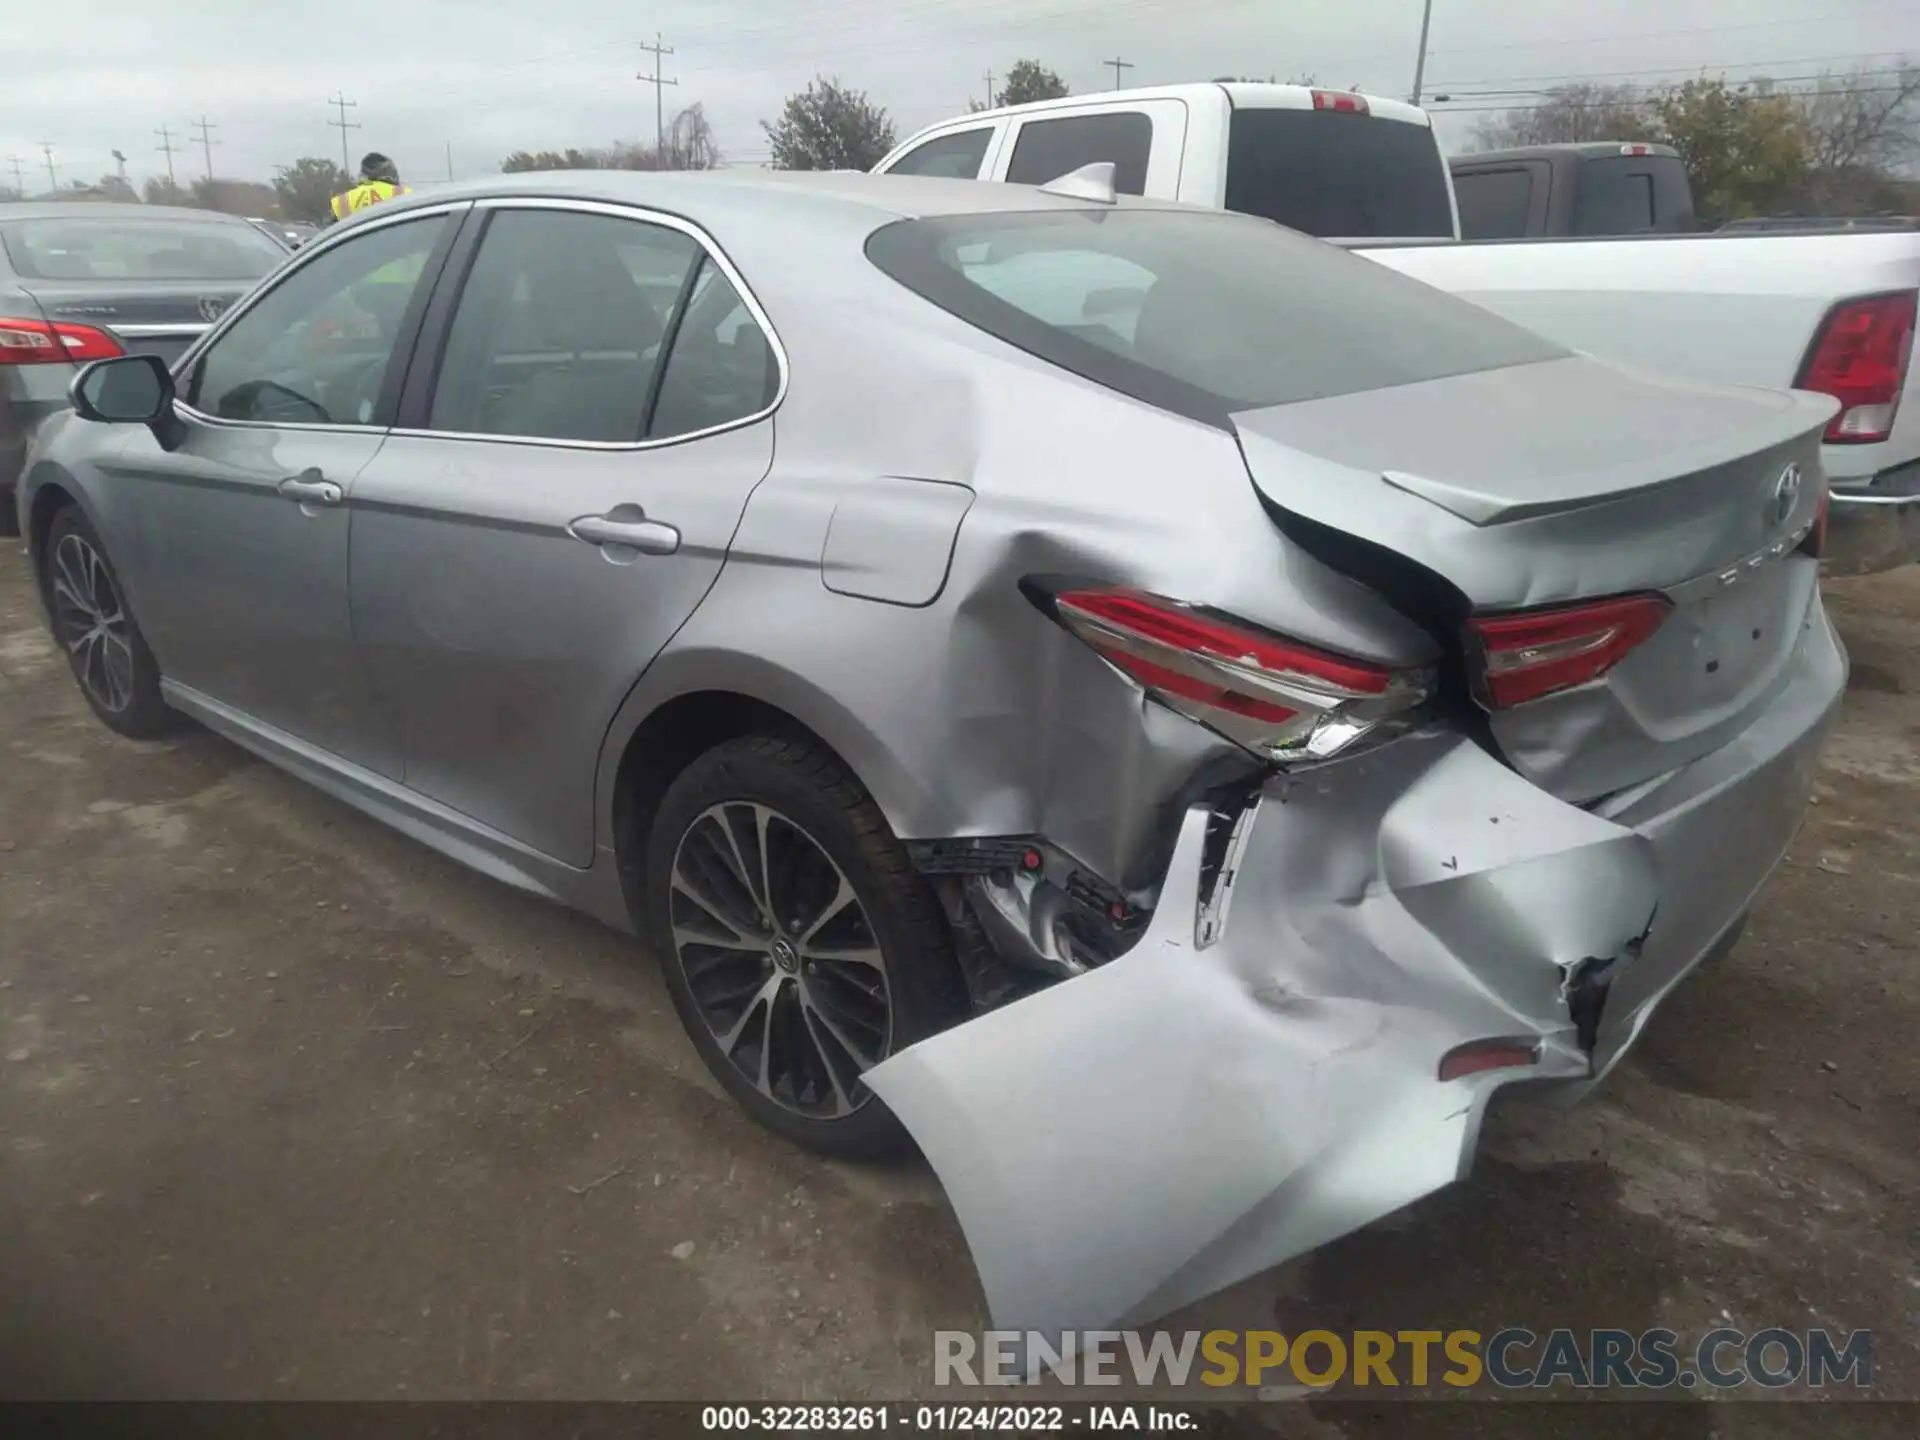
(1337, 174)
(1199, 313)
(89, 249)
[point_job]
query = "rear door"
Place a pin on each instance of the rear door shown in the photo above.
(1143, 140)
(585, 418)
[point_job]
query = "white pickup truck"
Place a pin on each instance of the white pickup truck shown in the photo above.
(1833, 312)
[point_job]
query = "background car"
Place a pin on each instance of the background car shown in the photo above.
(1170, 714)
(83, 280)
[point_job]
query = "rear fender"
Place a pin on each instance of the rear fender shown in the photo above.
(1168, 1124)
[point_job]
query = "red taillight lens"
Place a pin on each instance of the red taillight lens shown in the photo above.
(35, 342)
(1479, 1056)
(1340, 100)
(1860, 358)
(1531, 653)
(1278, 697)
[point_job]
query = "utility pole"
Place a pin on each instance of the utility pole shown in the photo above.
(989, 89)
(167, 146)
(207, 142)
(1420, 64)
(449, 160)
(1118, 65)
(19, 176)
(53, 181)
(659, 53)
(342, 104)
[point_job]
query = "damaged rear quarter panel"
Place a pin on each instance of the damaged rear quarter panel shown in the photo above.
(1143, 1135)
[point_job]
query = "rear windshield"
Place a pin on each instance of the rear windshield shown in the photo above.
(1338, 174)
(88, 249)
(1203, 314)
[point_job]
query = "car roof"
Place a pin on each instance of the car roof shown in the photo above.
(1585, 149)
(108, 210)
(719, 196)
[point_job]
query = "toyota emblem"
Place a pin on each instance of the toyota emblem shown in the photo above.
(212, 308)
(1786, 494)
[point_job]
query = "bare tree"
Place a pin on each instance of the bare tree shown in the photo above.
(1861, 132)
(1568, 114)
(690, 144)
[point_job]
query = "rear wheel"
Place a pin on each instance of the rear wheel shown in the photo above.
(800, 945)
(95, 626)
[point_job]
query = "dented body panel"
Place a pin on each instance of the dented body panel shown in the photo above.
(1159, 1128)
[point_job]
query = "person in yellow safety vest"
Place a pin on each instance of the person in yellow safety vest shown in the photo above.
(379, 180)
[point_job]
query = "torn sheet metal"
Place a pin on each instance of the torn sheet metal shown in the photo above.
(1170, 1123)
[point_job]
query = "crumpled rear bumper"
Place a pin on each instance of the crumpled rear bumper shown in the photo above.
(1138, 1137)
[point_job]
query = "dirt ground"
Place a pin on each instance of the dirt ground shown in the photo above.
(291, 1107)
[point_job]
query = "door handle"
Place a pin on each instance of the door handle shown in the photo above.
(627, 526)
(309, 489)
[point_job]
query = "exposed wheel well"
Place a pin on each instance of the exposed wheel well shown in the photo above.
(50, 500)
(668, 741)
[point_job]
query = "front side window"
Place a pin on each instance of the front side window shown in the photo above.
(1048, 149)
(956, 156)
(560, 326)
(1493, 203)
(1202, 314)
(82, 248)
(316, 348)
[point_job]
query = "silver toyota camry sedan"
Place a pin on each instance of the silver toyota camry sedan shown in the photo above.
(1168, 714)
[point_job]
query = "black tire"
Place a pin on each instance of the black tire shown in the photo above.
(115, 671)
(806, 788)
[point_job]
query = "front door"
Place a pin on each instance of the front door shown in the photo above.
(555, 506)
(239, 557)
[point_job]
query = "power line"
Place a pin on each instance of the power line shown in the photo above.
(1118, 65)
(1676, 69)
(167, 146)
(659, 53)
(207, 142)
(340, 102)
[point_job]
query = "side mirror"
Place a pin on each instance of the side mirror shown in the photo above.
(126, 390)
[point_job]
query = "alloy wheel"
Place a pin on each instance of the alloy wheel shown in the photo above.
(90, 619)
(780, 958)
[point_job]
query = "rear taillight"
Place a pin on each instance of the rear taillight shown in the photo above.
(35, 342)
(1281, 699)
(1340, 100)
(1529, 653)
(1860, 358)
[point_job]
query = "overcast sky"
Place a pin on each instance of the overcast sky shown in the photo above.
(485, 77)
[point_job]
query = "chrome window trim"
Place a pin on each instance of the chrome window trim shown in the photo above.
(297, 260)
(711, 249)
(195, 328)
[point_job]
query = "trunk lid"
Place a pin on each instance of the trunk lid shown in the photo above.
(1563, 481)
(153, 317)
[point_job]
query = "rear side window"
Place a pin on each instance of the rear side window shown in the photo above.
(1048, 149)
(954, 157)
(1200, 314)
(1615, 198)
(1334, 173)
(1493, 203)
